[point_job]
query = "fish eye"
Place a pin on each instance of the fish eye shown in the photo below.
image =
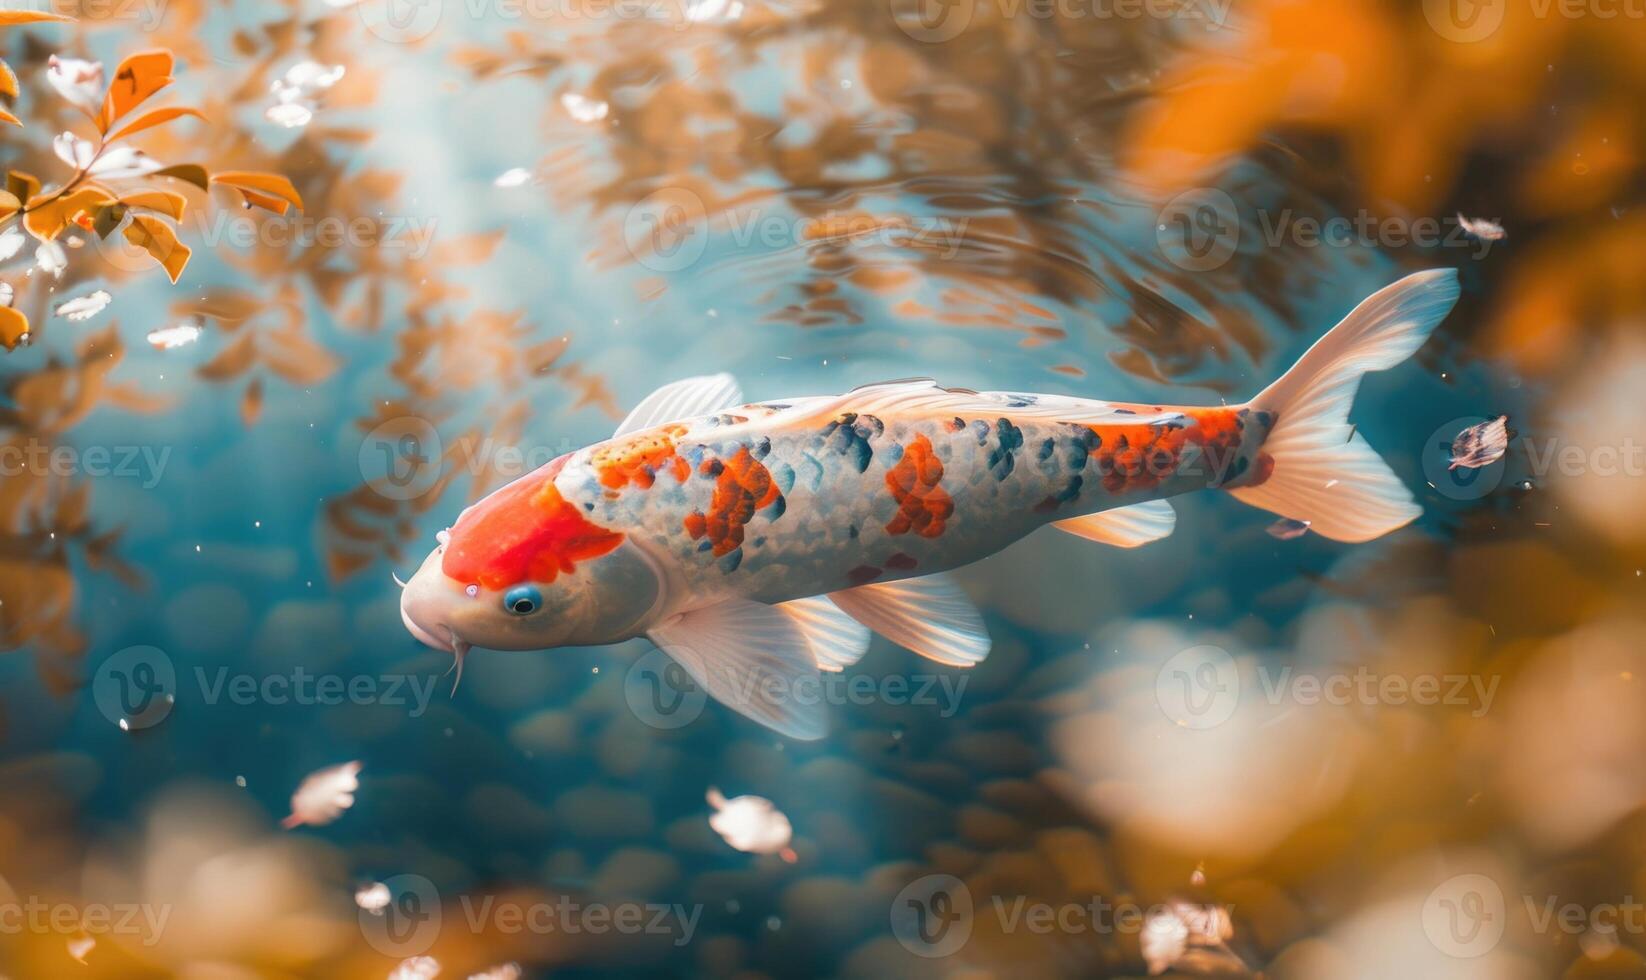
(523, 600)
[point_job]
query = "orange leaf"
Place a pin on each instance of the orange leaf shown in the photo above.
(137, 78)
(155, 118)
(8, 81)
(47, 217)
(9, 18)
(159, 240)
(276, 191)
(191, 172)
(9, 204)
(8, 117)
(14, 328)
(168, 203)
(23, 185)
(251, 402)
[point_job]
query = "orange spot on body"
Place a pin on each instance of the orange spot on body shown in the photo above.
(1140, 457)
(638, 459)
(742, 486)
(523, 532)
(922, 506)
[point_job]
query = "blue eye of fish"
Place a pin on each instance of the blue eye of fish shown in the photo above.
(523, 600)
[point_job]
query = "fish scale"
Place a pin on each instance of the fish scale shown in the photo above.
(788, 510)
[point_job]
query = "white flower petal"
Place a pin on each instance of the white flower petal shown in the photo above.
(582, 108)
(324, 795)
(83, 307)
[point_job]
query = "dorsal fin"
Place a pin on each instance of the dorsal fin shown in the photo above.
(684, 399)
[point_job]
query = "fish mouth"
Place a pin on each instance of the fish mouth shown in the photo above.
(451, 643)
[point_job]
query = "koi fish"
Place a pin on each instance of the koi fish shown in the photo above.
(759, 543)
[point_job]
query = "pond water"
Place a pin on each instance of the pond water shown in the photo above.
(518, 220)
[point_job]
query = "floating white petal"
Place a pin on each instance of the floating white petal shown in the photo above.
(752, 824)
(416, 968)
(374, 898)
(514, 177)
(505, 971)
(169, 338)
(11, 242)
(292, 115)
(1482, 228)
(324, 795)
(84, 307)
(50, 257)
(582, 108)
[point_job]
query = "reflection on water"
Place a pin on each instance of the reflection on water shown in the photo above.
(1385, 759)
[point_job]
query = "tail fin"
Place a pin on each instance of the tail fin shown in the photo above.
(1324, 473)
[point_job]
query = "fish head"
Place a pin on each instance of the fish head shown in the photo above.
(525, 569)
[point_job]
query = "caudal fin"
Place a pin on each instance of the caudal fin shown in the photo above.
(1324, 473)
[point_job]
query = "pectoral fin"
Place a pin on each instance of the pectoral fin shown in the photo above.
(929, 615)
(753, 658)
(1124, 527)
(683, 399)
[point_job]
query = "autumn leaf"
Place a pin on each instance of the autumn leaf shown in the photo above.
(22, 185)
(138, 77)
(11, 18)
(47, 217)
(8, 81)
(150, 119)
(232, 360)
(9, 204)
(14, 327)
(271, 192)
(168, 203)
(8, 117)
(191, 172)
(251, 402)
(160, 241)
(229, 306)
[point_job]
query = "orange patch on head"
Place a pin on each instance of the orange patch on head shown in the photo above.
(638, 459)
(742, 487)
(523, 532)
(922, 506)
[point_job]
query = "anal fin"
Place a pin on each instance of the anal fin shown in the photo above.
(929, 615)
(836, 640)
(1124, 527)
